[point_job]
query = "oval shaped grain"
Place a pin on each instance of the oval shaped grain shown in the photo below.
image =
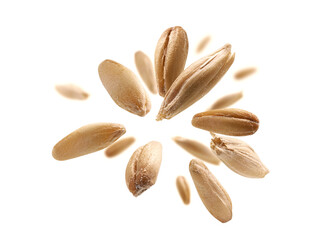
(229, 121)
(213, 195)
(71, 91)
(195, 82)
(87, 139)
(119, 146)
(238, 156)
(143, 168)
(202, 44)
(170, 57)
(146, 70)
(124, 88)
(245, 72)
(197, 149)
(183, 189)
(226, 100)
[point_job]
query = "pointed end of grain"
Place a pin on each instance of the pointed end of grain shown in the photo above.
(266, 171)
(85, 96)
(144, 110)
(162, 92)
(159, 116)
(227, 47)
(233, 56)
(226, 220)
(178, 140)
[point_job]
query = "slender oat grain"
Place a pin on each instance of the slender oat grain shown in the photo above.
(211, 192)
(243, 73)
(71, 91)
(227, 100)
(228, 121)
(124, 88)
(197, 149)
(202, 44)
(119, 146)
(146, 70)
(170, 57)
(87, 139)
(143, 168)
(238, 156)
(183, 189)
(195, 82)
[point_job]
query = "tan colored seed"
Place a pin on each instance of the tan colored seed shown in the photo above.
(183, 189)
(238, 156)
(211, 192)
(243, 73)
(124, 88)
(195, 82)
(119, 146)
(146, 70)
(228, 121)
(71, 91)
(202, 44)
(197, 149)
(170, 57)
(87, 139)
(143, 168)
(226, 101)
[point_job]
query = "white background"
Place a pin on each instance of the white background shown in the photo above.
(45, 43)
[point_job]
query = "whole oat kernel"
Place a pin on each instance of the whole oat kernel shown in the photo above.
(228, 121)
(87, 139)
(211, 192)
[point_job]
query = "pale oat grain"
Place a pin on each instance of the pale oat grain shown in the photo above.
(202, 44)
(71, 91)
(197, 149)
(228, 121)
(226, 100)
(245, 72)
(143, 168)
(124, 88)
(183, 189)
(170, 57)
(119, 146)
(211, 192)
(146, 70)
(238, 156)
(87, 139)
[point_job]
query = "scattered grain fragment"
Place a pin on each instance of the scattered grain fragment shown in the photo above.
(71, 91)
(226, 100)
(202, 44)
(245, 72)
(119, 146)
(183, 189)
(146, 70)
(197, 149)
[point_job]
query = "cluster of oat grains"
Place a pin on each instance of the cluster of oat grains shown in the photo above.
(181, 87)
